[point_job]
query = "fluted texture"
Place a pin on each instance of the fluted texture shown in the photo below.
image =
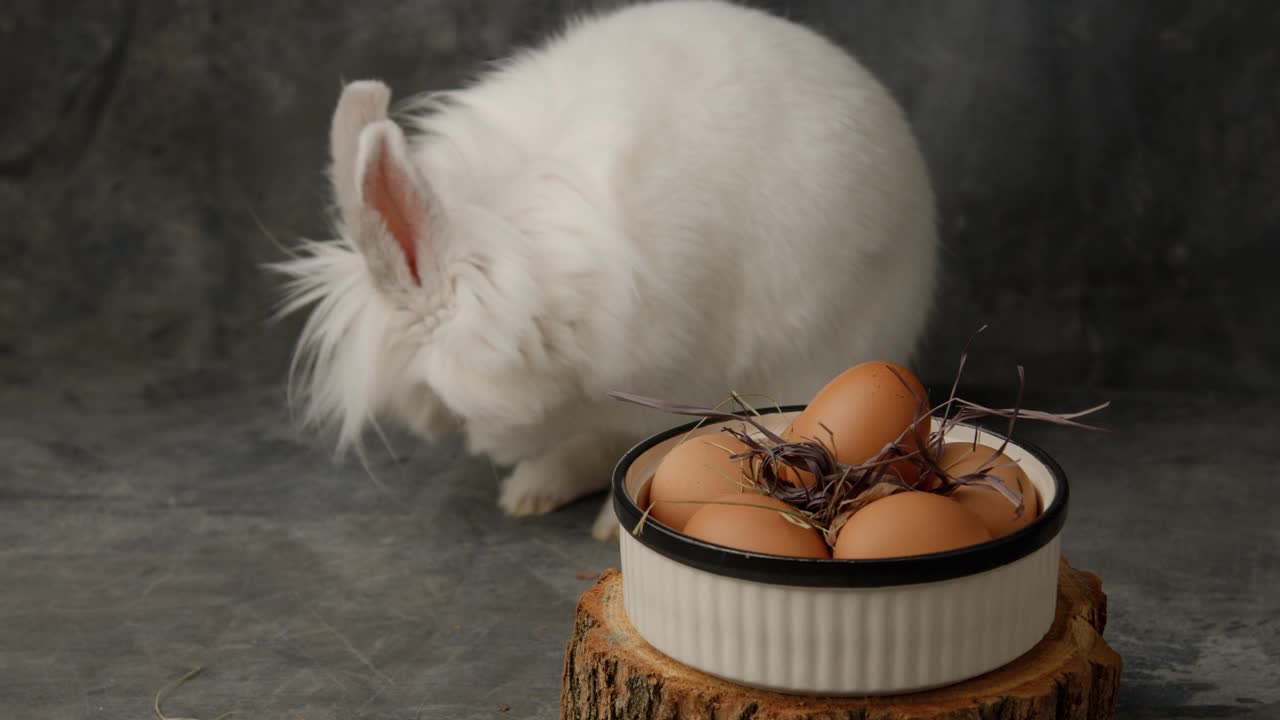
(612, 673)
(840, 641)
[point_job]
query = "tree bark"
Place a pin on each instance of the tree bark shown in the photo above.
(611, 673)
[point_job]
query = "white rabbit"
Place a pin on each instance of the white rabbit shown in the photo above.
(679, 199)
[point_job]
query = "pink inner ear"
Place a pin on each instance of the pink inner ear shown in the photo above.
(391, 194)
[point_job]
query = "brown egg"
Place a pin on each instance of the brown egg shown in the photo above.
(754, 525)
(697, 469)
(865, 408)
(997, 513)
(909, 523)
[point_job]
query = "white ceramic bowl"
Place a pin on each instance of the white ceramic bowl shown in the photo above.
(839, 627)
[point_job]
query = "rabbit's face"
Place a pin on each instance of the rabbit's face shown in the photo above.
(430, 309)
(363, 352)
(361, 357)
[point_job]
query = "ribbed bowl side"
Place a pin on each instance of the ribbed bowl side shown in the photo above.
(840, 641)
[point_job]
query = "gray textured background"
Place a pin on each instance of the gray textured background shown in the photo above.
(1107, 177)
(1107, 171)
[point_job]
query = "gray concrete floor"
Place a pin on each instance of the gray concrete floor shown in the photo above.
(149, 525)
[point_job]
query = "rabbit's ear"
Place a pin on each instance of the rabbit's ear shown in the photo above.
(362, 102)
(392, 223)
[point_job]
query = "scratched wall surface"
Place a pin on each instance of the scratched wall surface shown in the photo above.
(1107, 171)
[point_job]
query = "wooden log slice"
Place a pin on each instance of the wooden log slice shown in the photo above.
(611, 673)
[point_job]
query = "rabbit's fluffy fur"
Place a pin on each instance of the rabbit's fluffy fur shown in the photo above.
(679, 199)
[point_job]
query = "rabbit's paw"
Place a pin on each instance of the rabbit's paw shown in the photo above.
(537, 487)
(605, 527)
(576, 468)
(532, 490)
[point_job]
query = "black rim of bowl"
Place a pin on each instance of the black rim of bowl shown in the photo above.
(814, 572)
